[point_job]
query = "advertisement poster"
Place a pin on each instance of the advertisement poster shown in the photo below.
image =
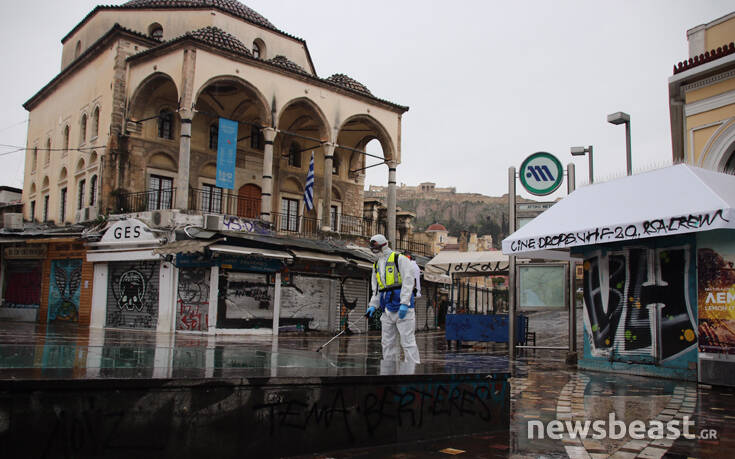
(716, 291)
(226, 153)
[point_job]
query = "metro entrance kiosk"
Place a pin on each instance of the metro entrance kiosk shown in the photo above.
(540, 174)
(658, 250)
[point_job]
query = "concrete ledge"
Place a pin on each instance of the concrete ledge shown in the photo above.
(656, 371)
(253, 417)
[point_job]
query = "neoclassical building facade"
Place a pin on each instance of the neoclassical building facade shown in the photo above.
(131, 121)
(702, 98)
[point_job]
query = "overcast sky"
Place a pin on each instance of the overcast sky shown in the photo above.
(487, 82)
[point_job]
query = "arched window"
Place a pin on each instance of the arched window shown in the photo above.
(95, 122)
(34, 158)
(83, 129)
(155, 31)
(62, 205)
(256, 138)
(335, 165)
(93, 190)
(48, 152)
(213, 134)
(294, 155)
(165, 124)
(81, 193)
(259, 50)
(65, 141)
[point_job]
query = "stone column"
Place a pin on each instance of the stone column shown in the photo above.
(266, 200)
(186, 113)
(391, 236)
(327, 195)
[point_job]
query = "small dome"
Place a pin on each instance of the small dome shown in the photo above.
(219, 39)
(346, 82)
(283, 61)
(436, 227)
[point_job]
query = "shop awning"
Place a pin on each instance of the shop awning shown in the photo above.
(491, 262)
(675, 200)
(437, 278)
(362, 264)
(184, 246)
(318, 256)
(268, 253)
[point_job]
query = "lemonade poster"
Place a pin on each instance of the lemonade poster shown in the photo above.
(716, 291)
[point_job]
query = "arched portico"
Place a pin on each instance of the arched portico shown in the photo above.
(719, 152)
(303, 125)
(232, 98)
(353, 137)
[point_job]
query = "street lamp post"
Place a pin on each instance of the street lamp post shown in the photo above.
(580, 151)
(623, 118)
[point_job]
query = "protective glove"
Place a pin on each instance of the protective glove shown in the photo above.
(402, 311)
(370, 311)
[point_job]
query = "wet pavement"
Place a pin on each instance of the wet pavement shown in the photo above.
(543, 387)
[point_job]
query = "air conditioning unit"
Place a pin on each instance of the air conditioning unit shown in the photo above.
(13, 222)
(213, 222)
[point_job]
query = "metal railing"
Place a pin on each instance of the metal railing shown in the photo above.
(357, 226)
(295, 225)
(141, 201)
(215, 201)
(417, 248)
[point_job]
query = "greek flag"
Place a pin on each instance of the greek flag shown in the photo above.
(309, 188)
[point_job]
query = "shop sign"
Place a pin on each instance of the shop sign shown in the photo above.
(25, 252)
(130, 230)
(229, 261)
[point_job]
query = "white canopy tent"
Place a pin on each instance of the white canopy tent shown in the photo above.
(674, 200)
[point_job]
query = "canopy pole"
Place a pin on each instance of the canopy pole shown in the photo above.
(572, 356)
(511, 265)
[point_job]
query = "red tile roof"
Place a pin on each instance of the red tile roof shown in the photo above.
(230, 6)
(436, 227)
(219, 39)
(346, 82)
(283, 61)
(709, 56)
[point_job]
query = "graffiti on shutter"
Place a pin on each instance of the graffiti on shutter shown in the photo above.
(132, 294)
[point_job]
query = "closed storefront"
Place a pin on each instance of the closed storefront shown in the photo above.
(132, 294)
(66, 287)
(352, 303)
(192, 299)
(133, 286)
(22, 267)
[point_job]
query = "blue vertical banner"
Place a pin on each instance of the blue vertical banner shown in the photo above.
(309, 187)
(226, 153)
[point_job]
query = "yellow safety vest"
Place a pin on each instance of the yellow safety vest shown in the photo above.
(392, 273)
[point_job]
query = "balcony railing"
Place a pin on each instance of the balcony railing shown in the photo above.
(142, 201)
(296, 225)
(215, 201)
(417, 248)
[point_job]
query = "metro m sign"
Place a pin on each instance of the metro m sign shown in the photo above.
(541, 173)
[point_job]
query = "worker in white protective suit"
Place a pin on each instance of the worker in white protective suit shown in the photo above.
(393, 284)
